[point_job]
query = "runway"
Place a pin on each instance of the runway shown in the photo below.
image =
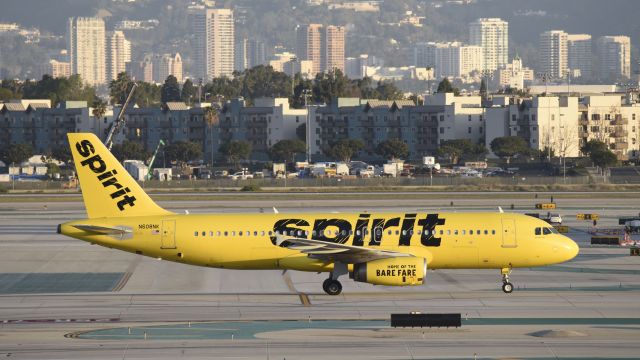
(65, 299)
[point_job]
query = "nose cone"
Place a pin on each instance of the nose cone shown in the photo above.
(568, 249)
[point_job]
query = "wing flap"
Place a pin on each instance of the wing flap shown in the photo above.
(335, 252)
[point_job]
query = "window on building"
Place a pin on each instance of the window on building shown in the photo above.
(469, 118)
(441, 130)
(480, 129)
(469, 130)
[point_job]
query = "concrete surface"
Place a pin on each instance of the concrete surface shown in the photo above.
(76, 292)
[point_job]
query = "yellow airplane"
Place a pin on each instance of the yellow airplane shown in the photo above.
(376, 248)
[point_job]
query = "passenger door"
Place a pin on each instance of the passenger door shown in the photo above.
(168, 235)
(509, 233)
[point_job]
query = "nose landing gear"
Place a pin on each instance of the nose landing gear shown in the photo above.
(507, 286)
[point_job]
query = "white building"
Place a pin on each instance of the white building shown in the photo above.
(614, 53)
(463, 117)
(213, 45)
(580, 55)
(492, 34)
(451, 59)
(284, 121)
(86, 43)
(169, 64)
(381, 73)
(544, 122)
(118, 54)
(355, 66)
(513, 75)
(552, 54)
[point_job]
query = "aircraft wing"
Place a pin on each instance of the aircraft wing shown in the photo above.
(329, 251)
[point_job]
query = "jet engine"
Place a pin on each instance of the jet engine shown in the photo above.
(398, 271)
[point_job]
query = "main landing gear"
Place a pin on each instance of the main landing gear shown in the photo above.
(331, 285)
(507, 286)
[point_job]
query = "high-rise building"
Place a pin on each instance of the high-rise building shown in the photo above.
(142, 70)
(492, 34)
(614, 53)
(323, 45)
(248, 54)
(86, 42)
(333, 48)
(513, 75)
(553, 53)
(57, 68)
(118, 54)
(452, 59)
(579, 55)
(309, 45)
(213, 45)
(166, 65)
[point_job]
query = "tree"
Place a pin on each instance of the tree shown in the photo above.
(285, 150)
(344, 149)
(130, 150)
(119, 88)
(599, 154)
(509, 146)
(236, 151)
(146, 94)
(183, 151)
(445, 87)
(16, 153)
(62, 153)
(454, 150)
(170, 90)
(59, 89)
(387, 90)
(188, 92)
(483, 88)
(392, 149)
(99, 108)
(331, 85)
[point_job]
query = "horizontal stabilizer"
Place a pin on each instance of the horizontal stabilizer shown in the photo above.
(105, 230)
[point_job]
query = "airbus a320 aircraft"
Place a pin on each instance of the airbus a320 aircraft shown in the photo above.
(376, 248)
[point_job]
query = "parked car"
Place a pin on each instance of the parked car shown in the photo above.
(241, 176)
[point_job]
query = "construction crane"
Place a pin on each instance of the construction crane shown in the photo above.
(153, 158)
(119, 122)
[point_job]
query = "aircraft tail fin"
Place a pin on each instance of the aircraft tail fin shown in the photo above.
(107, 189)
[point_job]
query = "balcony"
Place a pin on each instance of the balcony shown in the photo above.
(620, 121)
(619, 134)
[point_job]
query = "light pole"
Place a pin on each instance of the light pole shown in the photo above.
(307, 93)
(545, 77)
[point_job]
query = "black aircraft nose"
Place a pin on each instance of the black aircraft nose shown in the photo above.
(59, 231)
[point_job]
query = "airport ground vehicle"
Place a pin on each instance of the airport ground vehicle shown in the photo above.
(392, 249)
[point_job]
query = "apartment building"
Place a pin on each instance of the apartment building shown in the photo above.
(553, 54)
(86, 43)
(580, 55)
(492, 34)
(614, 54)
(213, 45)
(323, 45)
(168, 64)
(452, 59)
(118, 54)
(513, 75)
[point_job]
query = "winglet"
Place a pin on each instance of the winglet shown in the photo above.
(500, 210)
(275, 211)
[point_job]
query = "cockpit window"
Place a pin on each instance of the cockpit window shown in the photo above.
(538, 231)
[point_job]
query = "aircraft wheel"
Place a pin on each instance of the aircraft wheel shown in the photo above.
(332, 287)
(507, 287)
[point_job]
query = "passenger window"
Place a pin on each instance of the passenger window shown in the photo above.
(255, 233)
(486, 232)
(538, 231)
(306, 233)
(448, 232)
(478, 232)
(419, 232)
(389, 232)
(204, 233)
(248, 233)
(195, 233)
(493, 232)
(441, 232)
(270, 232)
(211, 233)
(358, 232)
(455, 232)
(226, 233)
(470, 232)
(464, 232)
(262, 233)
(379, 232)
(397, 232)
(240, 233)
(233, 233)
(411, 232)
(404, 232)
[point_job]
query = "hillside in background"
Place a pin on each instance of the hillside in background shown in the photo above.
(273, 22)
